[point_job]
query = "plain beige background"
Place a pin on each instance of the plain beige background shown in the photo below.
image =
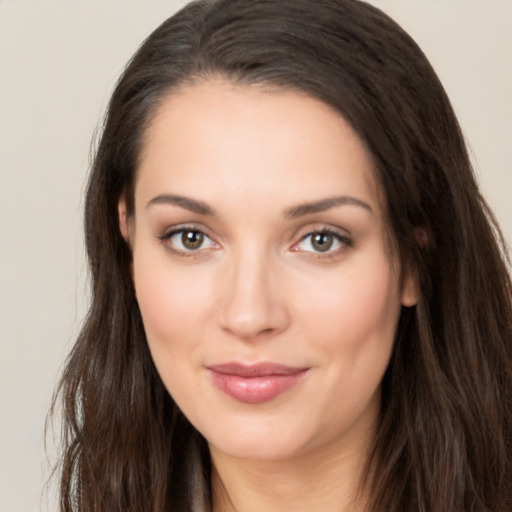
(58, 63)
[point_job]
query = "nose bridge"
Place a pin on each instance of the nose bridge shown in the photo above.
(252, 304)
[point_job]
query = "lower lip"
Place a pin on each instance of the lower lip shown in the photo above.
(255, 390)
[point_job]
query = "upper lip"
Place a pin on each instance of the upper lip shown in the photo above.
(254, 370)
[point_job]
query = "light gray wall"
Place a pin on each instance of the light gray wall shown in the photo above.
(58, 63)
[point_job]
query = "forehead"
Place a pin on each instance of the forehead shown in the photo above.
(222, 140)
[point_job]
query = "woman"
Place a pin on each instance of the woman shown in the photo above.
(299, 297)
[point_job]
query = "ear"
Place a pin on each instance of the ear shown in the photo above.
(410, 288)
(124, 226)
(123, 219)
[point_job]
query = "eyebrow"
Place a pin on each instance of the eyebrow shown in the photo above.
(300, 210)
(184, 202)
(325, 204)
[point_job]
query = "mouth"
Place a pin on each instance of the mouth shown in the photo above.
(255, 383)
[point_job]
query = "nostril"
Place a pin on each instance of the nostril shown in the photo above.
(251, 305)
(252, 320)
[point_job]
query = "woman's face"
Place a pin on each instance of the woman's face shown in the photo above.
(268, 292)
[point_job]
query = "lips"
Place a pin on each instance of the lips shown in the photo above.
(256, 383)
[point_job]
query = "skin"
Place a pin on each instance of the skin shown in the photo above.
(257, 289)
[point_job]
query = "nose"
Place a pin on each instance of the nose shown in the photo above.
(253, 301)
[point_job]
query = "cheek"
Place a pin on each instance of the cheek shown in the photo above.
(352, 316)
(352, 321)
(359, 301)
(174, 302)
(174, 306)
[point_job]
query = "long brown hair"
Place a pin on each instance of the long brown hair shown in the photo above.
(444, 439)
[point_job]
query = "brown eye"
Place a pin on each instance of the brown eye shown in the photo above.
(185, 241)
(192, 240)
(322, 242)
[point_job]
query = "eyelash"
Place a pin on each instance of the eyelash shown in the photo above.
(165, 239)
(343, 242)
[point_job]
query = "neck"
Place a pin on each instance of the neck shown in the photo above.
(328, 479)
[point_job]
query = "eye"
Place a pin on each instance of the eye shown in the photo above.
(186, 240)
(323, 241)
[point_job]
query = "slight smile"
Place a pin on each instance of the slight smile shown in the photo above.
(255, 383)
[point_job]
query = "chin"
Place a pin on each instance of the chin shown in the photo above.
(251, 438)
(256, 449)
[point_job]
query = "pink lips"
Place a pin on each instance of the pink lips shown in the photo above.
(255, 383)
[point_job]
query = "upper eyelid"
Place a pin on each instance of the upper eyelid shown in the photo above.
(304, 231)
(165, 236)
(172, 230)
(343, 239)
(330, 231)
